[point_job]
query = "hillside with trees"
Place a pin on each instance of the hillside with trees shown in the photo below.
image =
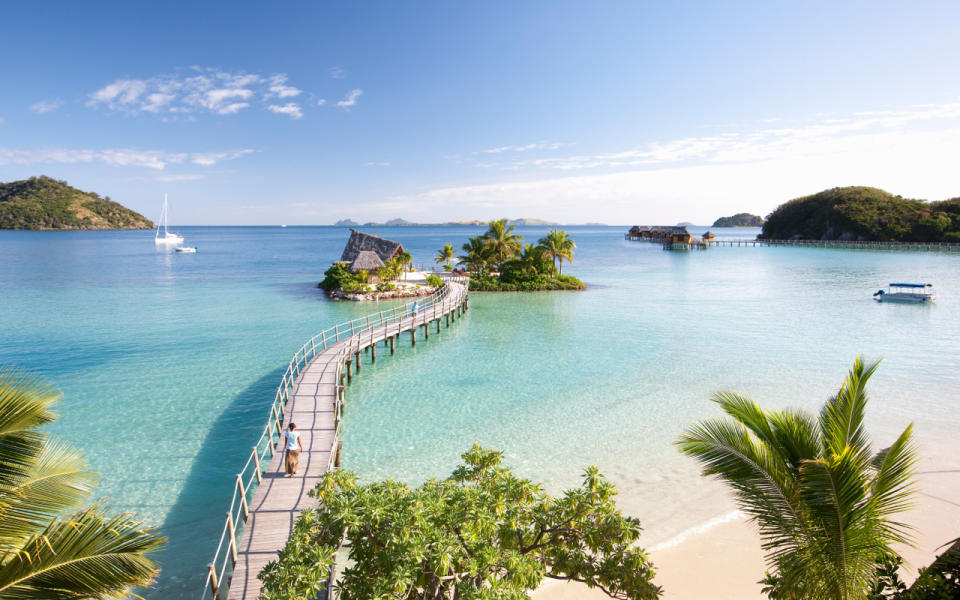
(739, 220)
(864, 214)
(47, 203)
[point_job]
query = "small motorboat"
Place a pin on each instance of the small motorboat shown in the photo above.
(918, 293)
(187, 249)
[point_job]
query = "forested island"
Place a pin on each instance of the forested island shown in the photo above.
(739, 220)
(47, 203)
(864, 214)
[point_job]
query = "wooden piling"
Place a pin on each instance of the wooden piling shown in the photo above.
(413, 336)
(373, 353)
(392, 340)
(358, 361)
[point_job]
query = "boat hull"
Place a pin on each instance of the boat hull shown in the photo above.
(904, 298)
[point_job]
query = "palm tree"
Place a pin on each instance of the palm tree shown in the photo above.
(445, 254)
(533, 258)
(822, 499)
(50, 548)
(559, 246)
(501, 240)
(476, 254)
(403, 261)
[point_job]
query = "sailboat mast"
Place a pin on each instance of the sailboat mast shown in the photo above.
(164, 215)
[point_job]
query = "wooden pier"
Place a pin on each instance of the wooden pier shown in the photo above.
(847, 244)
(311, 394)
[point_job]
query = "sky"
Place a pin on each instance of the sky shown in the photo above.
(304, 113)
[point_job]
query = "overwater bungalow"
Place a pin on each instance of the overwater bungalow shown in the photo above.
(680, 235)
(709, 237)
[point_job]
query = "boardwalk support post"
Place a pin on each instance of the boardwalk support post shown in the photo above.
(233, 538)
(373, 353)
(256, 465)
(243, 498)
(393, 339)
(413, 336)
(212, 575)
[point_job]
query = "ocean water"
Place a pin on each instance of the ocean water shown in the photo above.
(168, 362)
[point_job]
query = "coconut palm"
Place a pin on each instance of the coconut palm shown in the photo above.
(50, 548)
(501, 240)
(445, 254)
(476, 254)
(404, 260)
(558, 245)
(824, 502)
(533, 258)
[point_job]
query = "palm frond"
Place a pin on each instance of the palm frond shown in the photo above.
(88, 555)
(25, 404)
(841, 420)
(58, 482)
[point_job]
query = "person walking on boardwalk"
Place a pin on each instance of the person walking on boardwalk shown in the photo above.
(294, 447)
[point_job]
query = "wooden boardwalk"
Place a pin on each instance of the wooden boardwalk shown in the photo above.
(314, 405)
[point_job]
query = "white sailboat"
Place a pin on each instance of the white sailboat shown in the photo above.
(167, 237)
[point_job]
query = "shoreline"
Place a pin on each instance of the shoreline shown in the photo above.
(721, 558)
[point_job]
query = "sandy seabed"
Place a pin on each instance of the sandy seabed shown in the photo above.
(725, 562)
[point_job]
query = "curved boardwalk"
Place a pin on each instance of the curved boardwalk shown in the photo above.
(314, 405)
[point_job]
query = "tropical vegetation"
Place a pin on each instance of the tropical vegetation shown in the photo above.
(864, 213)
(445, 255)
(826, 504)
(739, 220)
(482, 533)
(499, 260)
(53, 544)
(47, 203)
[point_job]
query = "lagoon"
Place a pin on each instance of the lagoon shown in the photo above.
(168, 361)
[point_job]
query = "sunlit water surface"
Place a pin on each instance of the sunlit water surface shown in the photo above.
(168, 362)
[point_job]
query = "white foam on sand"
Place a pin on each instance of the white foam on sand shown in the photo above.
(698, 529)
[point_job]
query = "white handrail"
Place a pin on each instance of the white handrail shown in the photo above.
(216, 579)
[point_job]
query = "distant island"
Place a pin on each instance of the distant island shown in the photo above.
(864, 214)
(47, 203)
(685, 224)
(739, 220)
(473, 223)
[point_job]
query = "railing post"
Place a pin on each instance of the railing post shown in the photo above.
(324, 334)
(233, 538)
(352, 332)
(256, 465)
(243, 497)
(212, 576)
(313, 346)
(276, 421)
(336, 329)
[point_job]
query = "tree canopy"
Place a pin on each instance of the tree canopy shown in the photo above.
(46, 203)
(864, 213)
(483, 533)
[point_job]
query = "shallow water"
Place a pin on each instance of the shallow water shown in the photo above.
(168, 361)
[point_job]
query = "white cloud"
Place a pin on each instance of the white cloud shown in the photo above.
(524, 148)
(179, 177)
(350, 99)
(378, 164)
(337, 72)
(321, 101)
(45, 106)
(909, 152)
(201, 90)
(290, 109)
(280, 89)
(116, 157)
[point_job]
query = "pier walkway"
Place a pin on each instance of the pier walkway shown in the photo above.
(847, 244)
(311, 395)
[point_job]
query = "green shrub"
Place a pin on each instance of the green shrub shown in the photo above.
(384, 286)
(434, 281)
(338, 276)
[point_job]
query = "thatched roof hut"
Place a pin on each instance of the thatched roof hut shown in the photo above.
(366, 260)
(680, 235)
(636, 230)
(709, 237)
(360, 242)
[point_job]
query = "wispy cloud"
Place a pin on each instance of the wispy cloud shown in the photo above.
(291, 109)
(337, 72)
(200, 90)
(280, 89)
(179, 177)
(524, 147)
(116, 157)
(45, 106)
(350, 99)
(809, 138)
(321, 101)
(378, 164)
(910, 151)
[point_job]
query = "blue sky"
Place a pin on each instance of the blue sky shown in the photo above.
(620, 112)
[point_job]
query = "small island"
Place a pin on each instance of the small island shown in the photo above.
(864, 214)
(500, 261)
(44, 203)
(739, 220)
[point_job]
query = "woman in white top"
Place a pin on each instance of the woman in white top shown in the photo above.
(294, 446)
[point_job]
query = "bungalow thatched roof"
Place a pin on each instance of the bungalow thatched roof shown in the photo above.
(359, 242)
(366, 260)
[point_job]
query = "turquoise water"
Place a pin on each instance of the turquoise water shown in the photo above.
(167, 361)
